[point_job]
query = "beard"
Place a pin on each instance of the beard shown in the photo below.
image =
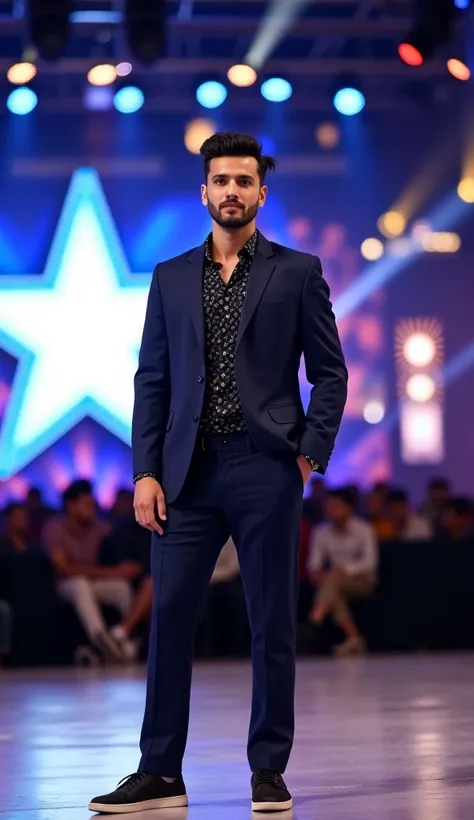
(240, 219)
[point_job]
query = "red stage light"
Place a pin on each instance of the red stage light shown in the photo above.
(410, 55)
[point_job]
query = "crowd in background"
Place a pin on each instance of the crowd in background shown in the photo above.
(103, 558)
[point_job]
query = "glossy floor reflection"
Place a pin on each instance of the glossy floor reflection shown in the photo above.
(378, 738)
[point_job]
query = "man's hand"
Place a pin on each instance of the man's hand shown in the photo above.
(305, 468)
(148, 492)
(128, 570)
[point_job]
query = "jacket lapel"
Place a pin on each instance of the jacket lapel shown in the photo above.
(194, 295)
(262, 268)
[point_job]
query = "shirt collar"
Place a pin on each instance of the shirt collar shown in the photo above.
(247, 250)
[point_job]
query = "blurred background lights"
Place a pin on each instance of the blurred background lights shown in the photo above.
(466, 189)
(349, 101)
(276, 89)
(21, 73)
(98, 98)
(123, 69)
(374, 411)
(129, 99)
(102, 75)
(419, 349)
(211, 94)
(197, 131)
(328, 135)
(440, 242)
(22, 100)
(242, 75)
(459, 70)
(372, 249)
(420, 387)
(392, 223)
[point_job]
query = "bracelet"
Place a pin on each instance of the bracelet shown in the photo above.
(138, 476)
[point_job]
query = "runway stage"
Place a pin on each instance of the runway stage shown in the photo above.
(378, 738)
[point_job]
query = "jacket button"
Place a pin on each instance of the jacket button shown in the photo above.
(195, 417)
(200, 379)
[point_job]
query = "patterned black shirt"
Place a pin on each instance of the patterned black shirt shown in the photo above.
(223, 303)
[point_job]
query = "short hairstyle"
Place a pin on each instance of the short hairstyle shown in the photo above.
(344, 494)
(438, 483)
(230, 144)
(76, 489)
(396, 496)
(460, 506)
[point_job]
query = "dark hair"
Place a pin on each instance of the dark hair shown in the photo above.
(438, 483)
(344, 494)
(12, 508)
(460, 506)
(396, 496)
(229, 144)
(76, 489)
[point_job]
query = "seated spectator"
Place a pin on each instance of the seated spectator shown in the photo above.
(16, 536)
(313, 503)
(5, 630)
(432, 508)
(38, 513)
(407, 525)
(343, 565)
(457, 519)
(375, 509)
(73, 542)
(224, 626)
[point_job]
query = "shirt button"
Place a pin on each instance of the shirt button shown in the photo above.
(195, 417)
(200, 379)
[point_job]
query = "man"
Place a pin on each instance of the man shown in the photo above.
(73, 542)
(407, 526)
(16, 537)
(457, 519)
(438, 494)
(343, 564)
(222, 446)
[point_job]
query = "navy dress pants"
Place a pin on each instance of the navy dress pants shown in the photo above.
(230, 489)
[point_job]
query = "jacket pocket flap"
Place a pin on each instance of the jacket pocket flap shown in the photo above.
(284, 414)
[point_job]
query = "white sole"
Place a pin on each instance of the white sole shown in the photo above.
(267, 806)
(129, 808)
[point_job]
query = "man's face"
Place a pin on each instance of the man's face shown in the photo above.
(233, 193)
(18, 521)
(398, 512)
(338, 511)
(83, 509)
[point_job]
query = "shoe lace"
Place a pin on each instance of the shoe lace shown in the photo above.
(131, 780)
(273, 778)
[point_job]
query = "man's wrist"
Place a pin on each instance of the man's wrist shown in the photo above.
(314, 464)
(139, 476)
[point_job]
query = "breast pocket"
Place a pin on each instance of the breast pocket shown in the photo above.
(275, 307)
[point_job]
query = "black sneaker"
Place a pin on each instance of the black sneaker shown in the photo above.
(141, 791)
(269, 792)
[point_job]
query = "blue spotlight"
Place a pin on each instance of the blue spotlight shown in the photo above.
(129, 99)
(462, 4)
(276, 89)
(349, 101)
(98, 98)
(211, 94)
(22, 100)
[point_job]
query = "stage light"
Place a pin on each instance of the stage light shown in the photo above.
(440, 242)
(197, 131)
(374, 412)
(211, 94)
(129, 99)
(22, 100)
(123, 69)
(466, 189)
(102, 75)
(391, 224)
(462, 4)
(21, 73)
(459, 70)
(419, 349)
(410, 54)
(328, 135)
(145, 25)
(98, 98)
(372, 249)
(50, 26)
(276, 89)
(349, 101)
(420, 387)
(242, 75)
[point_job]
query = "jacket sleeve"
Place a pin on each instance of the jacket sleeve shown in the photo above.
(152, 388)
(325, 369)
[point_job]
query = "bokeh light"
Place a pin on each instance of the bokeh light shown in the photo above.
(22, 101)
(328, 135)
(197, 131)
(410, 55)
(242, 75)
(393, 223)
(466, 189)
(374, 411)
(276, 89)
(349, 101)
(459, 70)
(102, 75)
(21, 73)
(211, 94)
(123, 69)
(129, 99)
(419, 349)
(420, 387)
(372, 249)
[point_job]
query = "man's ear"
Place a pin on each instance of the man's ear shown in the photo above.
(204, 194)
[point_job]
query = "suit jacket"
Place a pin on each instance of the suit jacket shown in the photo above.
(286, 313)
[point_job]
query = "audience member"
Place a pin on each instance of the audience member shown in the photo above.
(38, 513)
(16, 536)
(313, 503)
(343, 565)
(73, 542)
(432, 509)
(224, 625)
(457, 519)
(407, 525)
(376, 512)
(5, 630)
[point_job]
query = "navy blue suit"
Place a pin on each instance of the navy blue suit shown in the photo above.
(247, 485)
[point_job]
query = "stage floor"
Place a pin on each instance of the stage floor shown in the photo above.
(378, 738)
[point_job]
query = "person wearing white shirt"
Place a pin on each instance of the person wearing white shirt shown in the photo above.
(342, 563)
